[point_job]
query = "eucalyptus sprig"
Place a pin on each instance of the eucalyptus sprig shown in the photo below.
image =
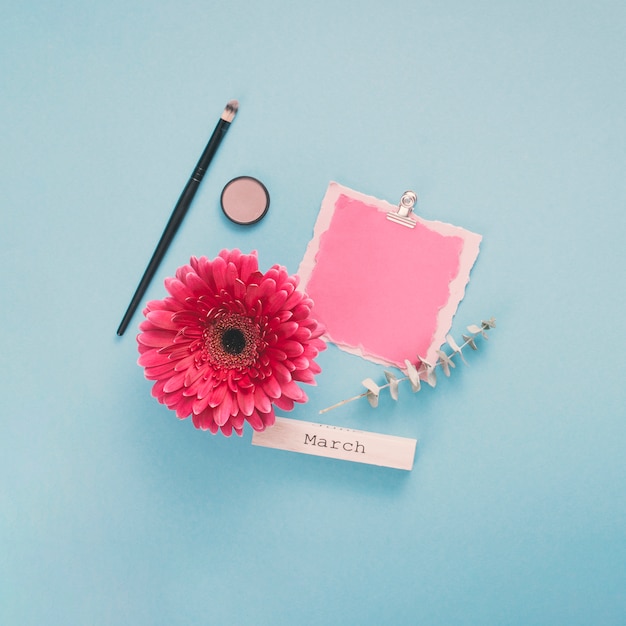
(415, 373)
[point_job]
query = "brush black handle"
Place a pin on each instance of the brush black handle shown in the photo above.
(175, 221)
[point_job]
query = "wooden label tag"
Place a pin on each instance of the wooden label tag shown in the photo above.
(346, 444)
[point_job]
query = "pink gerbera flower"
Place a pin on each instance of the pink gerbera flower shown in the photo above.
(230, 343)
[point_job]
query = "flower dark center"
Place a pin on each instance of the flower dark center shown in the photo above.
(233, 341)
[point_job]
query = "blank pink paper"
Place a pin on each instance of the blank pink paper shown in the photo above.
(384, 291)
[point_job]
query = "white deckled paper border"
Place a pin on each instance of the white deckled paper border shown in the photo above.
(469, 254)
(358, 446)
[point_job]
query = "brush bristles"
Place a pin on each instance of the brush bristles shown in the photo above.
(230, 111)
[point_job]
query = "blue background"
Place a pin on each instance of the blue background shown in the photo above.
(507, 119)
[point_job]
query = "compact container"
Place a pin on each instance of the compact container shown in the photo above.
(245, 200)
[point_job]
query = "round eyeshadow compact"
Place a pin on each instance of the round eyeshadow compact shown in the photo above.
(245, 200)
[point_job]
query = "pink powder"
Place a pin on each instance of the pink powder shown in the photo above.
(245, 200)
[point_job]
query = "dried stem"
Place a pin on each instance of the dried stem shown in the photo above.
(484, 326)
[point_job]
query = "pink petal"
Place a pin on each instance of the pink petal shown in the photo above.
(293, 299)
(187, 318)
(222, 412)
(205, 421)
(154, 372)
(291, 390)
(232, 256)
(239, 289)
(185, 363)
(271, 387)
(197, 286)
(227, 429)
(175, 382)
(173, 399)
(175, 352)
(178, 289)
(205, 272)
(314, 367)
(304, 376)
(274, 302)
(217, 394)
(286, 329)
(284, 403)
(191, 376)
(219, 273)
(162, 319)
(155, 338)
(204, 387)
(300, 362)
(302, 334)
(231, 274)
(199, 404)
(261, 401)
(183, 270)
(248, 264)
(184, 407)
(157, 391)
(318, 331)
(251, 298)
(266, 288)
(245, 400)
(283, 375)
(292, 348)
(282, 316)
(300, 312)
(275, 354)
(255, 421)
(238, 421)
(268, 418)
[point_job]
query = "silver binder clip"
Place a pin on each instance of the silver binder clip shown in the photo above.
(405, 208)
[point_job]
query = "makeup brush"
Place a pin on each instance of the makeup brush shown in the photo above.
(180, 210)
